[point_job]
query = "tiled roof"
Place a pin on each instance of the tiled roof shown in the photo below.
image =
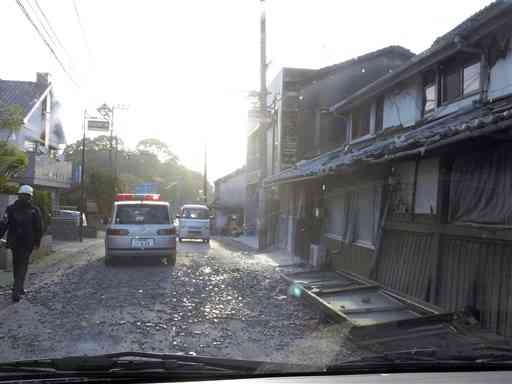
(469, 122)
(25, 94)
(395, 50)
(236, 172)
(454, 36)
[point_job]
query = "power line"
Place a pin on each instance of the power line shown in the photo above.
(55, 36)
(40, 22)
(27, 15)
(82, 29)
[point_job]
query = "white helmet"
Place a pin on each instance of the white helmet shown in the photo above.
(26, 189)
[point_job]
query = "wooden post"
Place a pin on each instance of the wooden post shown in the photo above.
(379, 236)
(442, 204)
(414, 186)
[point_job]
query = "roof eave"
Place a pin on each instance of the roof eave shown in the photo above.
(394, 78)
(39, 101)
(493, 22)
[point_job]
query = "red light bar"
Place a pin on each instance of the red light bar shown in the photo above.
(137, 197)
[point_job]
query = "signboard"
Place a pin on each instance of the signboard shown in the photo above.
(98, 125)
(148, 187)
(289, 143)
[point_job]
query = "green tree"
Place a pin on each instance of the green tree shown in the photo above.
(158, 148)
(151, 161)
(12, 160)
(11, 119)
(102, 187)
(42, 199)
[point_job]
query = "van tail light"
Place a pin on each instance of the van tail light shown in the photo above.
(167, 232)
(117, 232)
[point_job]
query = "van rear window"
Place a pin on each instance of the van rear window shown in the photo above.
(142, 214)
(195, 213)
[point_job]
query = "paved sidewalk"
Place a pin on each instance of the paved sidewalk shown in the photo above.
(250, 241)
(72, 246)
(275, 257)
(278, 258)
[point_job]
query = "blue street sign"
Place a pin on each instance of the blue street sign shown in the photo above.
(148, 187)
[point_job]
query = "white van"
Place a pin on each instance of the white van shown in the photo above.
(194, 222)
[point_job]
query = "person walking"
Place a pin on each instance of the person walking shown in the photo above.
(23, 224)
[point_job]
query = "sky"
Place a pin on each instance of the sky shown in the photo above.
(184, 67)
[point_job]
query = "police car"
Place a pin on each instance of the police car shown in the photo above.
(141, 226)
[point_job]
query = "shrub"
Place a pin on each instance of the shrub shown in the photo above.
(42, 199)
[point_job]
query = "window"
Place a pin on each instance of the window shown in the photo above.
(460, 80)
(471, 78)
(480, 187)
(335, 214)
(352, 215)
(291, 86)
(361, 122)
(379, 114)
(451, 85)
(426, 187)
(195, 213)
(366, 214)
(429, 92)
(337, 130)
(142, 214)
(430, 97)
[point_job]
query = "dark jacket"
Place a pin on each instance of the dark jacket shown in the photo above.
(23, 224)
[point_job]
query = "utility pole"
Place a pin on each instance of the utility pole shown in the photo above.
(114, 167)
(205, 177)
(82, 177)
(111, 147)
(108, 113)
(263, 58)
(262, 220)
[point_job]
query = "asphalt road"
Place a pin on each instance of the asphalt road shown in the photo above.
(218, 300)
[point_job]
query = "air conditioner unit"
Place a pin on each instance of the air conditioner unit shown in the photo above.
(318, 255)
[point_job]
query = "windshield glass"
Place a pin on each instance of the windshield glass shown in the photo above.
(305, 182)
(195, 213)
(142, 214)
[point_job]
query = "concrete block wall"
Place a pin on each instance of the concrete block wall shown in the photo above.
(44, 250)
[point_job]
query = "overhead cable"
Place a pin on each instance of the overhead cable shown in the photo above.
(49, 46)
(54, 34)
(82, 29)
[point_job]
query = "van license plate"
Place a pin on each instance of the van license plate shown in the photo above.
(142, 243)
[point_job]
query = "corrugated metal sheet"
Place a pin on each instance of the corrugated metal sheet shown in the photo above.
(406, 262)
(362, 302)
(477, 273)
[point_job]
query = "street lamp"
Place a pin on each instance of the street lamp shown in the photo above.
(105, 111)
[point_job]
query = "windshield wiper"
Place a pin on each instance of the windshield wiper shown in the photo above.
(132, 362)
(481, 357)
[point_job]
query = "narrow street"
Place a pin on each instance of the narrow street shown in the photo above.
(219, 300)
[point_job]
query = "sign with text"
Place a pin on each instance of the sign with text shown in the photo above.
(98, 125)
(147, 187)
